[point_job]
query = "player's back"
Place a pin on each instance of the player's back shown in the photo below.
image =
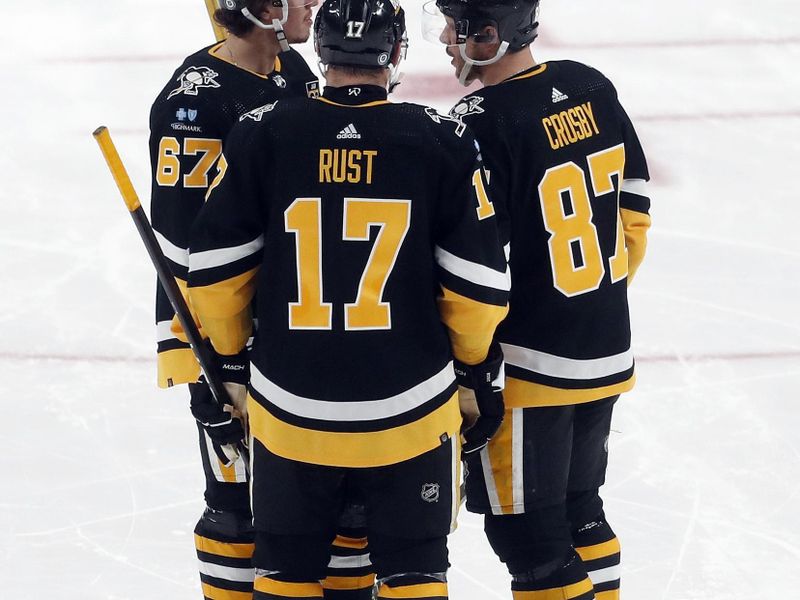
(558, 146)
(354, 227)
(364, 226)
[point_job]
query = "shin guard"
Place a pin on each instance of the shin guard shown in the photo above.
(599, 548)
(350, 573)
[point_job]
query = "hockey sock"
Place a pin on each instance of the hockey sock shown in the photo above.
(350, 573)
(225, 544)
(599, 548)
(569, 582)
(274, 587)
(413, 586)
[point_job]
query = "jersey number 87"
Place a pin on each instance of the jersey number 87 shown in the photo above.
(576, 259)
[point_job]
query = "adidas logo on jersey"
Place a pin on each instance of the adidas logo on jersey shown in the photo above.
(349, 133)
(559, 96)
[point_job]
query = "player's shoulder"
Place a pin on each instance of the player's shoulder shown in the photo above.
(428, 121)
(579, 79)
(293, 63)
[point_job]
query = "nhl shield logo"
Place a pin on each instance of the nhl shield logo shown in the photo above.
(279, 81)
(430, 492)
(194, 79)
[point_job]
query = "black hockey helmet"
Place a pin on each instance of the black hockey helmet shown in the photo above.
(516, 21)
(360, 33)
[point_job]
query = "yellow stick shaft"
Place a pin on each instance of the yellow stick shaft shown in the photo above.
(219, 32)
(117, 168)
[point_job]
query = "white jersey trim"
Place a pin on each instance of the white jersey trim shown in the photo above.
(635, 186)
(164, 331)
(175, 253)
(473, 272)
(368, 410)
(567, 368)
(211, 259)
(227, 573)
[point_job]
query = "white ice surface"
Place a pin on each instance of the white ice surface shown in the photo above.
(101, 482)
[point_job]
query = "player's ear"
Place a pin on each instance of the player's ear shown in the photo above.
(487, 35)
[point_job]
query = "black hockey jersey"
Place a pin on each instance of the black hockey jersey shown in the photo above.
(564, 159)
(375, 255)
(189, 120)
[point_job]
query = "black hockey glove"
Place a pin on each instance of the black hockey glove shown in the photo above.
(217, 419)
(223, 422)
(486, 380)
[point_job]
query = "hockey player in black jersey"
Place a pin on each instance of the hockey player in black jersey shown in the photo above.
(374, 252)
(563, 159)
(239, 78)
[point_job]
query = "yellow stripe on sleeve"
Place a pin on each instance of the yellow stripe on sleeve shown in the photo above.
(224, 311)
(471, 325)
(635, 224)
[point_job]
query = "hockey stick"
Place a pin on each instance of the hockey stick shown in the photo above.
(219, 32)
(165, 275)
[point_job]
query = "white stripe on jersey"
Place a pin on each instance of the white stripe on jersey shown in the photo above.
(611, 573)
(349, 562)
(164, 331)
(227, 573)
(517, 460)
(223, 256)
(175, 253)
(635, 186)
(567, 368)
(491, 486)
(368, 410)
(473, 272)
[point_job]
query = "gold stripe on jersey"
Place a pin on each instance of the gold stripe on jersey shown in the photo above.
(499, 471)
(366, 105)
(214, 593)
(635, 224)
(349, 449)
(537, 71)
(209, 546)
(608, 595)
(267, 585)
(567, 592)
(176, 367)
(523, 394)
(471, 325)
(419, 590)
(225, 307)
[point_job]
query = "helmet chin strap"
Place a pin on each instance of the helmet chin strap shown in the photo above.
(469, 62)
(276, 26)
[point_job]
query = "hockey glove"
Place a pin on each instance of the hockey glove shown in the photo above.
(224, 423)
(486, 381)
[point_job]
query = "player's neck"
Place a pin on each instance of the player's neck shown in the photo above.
(506, 67)
(336, 78)
(255, 52)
